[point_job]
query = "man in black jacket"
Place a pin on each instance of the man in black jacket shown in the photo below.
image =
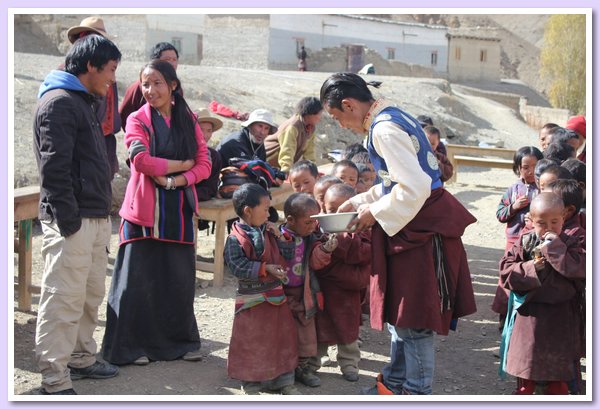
(75, 201)
(248, 143)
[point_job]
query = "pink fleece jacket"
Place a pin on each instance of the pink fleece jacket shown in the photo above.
(139, 203)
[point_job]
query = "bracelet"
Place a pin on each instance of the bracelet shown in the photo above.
(169, 181)
(173, 184)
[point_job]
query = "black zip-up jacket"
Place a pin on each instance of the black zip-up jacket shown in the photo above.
(239, 145)
(71, 155)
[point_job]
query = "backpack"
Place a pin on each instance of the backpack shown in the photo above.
(247, 171)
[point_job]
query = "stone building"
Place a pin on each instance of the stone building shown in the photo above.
(473, 55)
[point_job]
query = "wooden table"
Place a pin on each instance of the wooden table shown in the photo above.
(221, 210)
(26, 209)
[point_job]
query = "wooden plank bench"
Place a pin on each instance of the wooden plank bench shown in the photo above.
(220, 211)
(26, 204)
(462, 155)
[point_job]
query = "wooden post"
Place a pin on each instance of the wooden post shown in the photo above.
(25, 265)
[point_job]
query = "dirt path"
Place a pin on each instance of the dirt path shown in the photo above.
(466, 363)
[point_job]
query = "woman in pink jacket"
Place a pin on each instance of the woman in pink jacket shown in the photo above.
(150, 314)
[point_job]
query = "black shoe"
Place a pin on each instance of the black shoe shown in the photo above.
(98, 370)
(350, 376)
(307, 377)
(69, 391)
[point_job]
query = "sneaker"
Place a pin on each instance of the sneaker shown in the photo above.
(307, 377)
(98, 370)
(290, 390)
(69, 391)
(143, 360)
(193, 356)
(350, 376)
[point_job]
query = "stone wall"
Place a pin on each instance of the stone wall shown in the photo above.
(335, 59)
(508, 99)
(236, 41)
(536, 116)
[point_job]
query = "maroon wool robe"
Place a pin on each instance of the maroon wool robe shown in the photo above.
(342, 282)
(264, 343)
(546, 337)
(404, 289)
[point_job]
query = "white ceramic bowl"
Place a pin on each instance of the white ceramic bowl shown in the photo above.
(335, 222)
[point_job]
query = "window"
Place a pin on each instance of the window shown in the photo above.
(483, 55)
(457, 53)
(176, 41)
(391, 53)
(434, 58)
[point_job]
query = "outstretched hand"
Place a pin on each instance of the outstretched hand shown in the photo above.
(364, 221)
(331, 244)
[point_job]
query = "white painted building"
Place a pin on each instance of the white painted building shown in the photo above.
(410, 43)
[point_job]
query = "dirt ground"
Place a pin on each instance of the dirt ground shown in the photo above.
(466, 360)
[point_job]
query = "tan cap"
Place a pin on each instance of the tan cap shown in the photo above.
(204, 116)
(94, 23)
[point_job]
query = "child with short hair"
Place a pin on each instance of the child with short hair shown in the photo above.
(545, 134)
(446, 168)
(321, 187)
(354, 149)
(572, 196)
(347, 171)
(342, 282)
(366, 178)
(263, 351)
(304, 253)
(552, 173)
(560, 152)
(303, 176)
(544, 271)
(577, 169)
(541, 166)
(512, 209)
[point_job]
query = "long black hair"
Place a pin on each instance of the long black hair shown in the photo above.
(346, 85)
(183, 129)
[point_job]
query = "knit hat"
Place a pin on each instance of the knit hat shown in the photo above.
(94, 24)
(577, 124)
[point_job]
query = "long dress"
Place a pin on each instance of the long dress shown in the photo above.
(150, 307)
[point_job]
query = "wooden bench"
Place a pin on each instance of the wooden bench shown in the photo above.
(26, 206)
(463, 155)
(220, 211)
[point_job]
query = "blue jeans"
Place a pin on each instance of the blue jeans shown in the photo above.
(412, 361)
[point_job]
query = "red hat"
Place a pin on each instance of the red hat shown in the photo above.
(577, 124)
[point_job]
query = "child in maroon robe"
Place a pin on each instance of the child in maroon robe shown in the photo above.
(546, 271)
(305, 253)
(263, 351)
(342, 282)
(572, 195)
